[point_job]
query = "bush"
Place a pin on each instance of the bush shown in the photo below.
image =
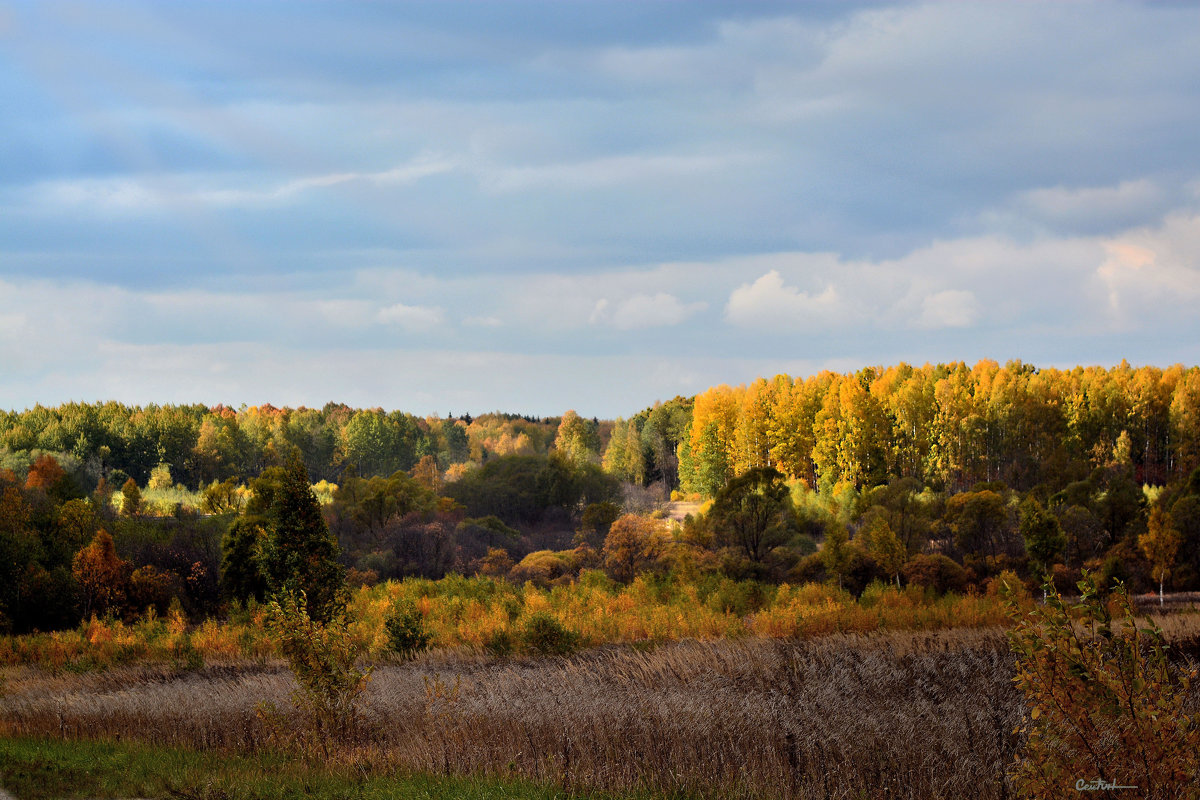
(545, 635)
(321, 656)
(936, 572)
(1104, 701)
(500, 644)
(408, 635)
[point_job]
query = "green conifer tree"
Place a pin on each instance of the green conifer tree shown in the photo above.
(299, 553)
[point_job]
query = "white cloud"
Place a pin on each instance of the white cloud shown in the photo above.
(948, 309)
(411, 318)
(652, 311)
(768, 303)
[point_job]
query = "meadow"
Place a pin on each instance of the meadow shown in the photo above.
(677, 689)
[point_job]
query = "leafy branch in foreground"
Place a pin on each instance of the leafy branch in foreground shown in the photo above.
(1105, 703)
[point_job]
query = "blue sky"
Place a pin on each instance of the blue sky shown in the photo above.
(451, 207)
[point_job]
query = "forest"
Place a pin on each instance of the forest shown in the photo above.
(945, 476)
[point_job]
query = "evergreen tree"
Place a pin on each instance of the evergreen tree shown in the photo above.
(241, 559)
(299, 553)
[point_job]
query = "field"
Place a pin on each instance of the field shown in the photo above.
(896, 714)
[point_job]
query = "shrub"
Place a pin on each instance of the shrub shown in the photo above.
(1104, 701)
(321, 656)
(936, 572)
(407, 632)
(500, 643)
(545, 635)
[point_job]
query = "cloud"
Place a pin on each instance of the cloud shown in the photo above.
(1153, 271)
(768, 303)
(948, 309)
(411, 318)
(1062, 203)
(484, 322)
(644, 311)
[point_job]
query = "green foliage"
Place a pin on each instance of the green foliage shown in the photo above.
(372, 503)
(242, 574)
(753, 513)
(299, 555)
(221, 497)
(979, 520)
(322, 656)
(1044, 538)
(407, 633)
(577, 441)
(531, 489)
(837, 552)
(500, 644)
(1104, 700)
(545, 635)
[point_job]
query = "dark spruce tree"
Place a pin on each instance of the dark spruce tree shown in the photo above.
(241, 559)
(299, 554)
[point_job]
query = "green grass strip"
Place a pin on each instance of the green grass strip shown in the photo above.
(37, 769)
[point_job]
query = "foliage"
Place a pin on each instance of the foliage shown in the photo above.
(753, 512)
(102, 575)
(131, 498)
(528, 490)
(837, 552)
(577, 441)
(545, 635)
(1160, 544)
(242, 575)
(472, 612)
(321, 655)
(889, 552)
(632, 545)
(299, 556)
(1044, 538)
(407, 633)
(1105, 702)
(937, 572)
(221, 497)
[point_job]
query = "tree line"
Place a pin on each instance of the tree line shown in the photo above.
(947, 426)
(944, 475)
(198, 444)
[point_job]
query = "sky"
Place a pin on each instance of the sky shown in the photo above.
(534, 206)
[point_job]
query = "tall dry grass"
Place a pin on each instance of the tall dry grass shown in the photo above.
(924, 715)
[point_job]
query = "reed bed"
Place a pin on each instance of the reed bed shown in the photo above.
(906, 715)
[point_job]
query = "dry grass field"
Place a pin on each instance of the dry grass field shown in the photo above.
(895, 714)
